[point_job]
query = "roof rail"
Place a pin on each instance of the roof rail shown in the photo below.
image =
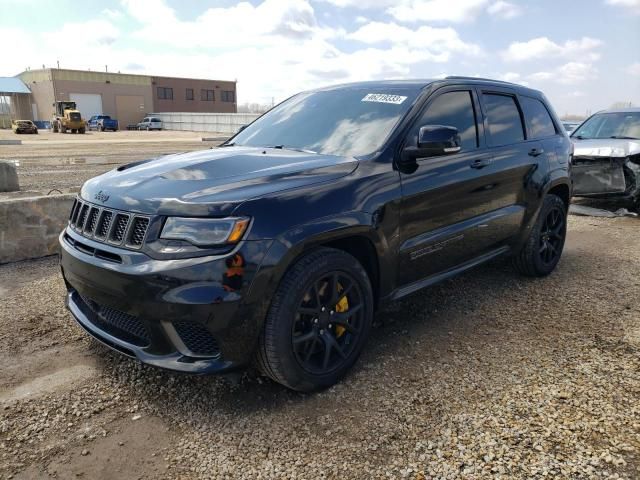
(461, 77)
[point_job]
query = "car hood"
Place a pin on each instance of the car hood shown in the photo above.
(211, 182)
(606, 147)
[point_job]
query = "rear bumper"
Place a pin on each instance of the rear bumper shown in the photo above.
(191, 315)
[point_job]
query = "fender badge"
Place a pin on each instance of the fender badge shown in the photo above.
(101, 196)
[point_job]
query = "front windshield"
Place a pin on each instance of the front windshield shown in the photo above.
(342, 121)
(610, 125)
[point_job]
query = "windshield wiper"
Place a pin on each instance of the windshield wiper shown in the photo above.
(225, 144)
(295, 149)
(622, 137)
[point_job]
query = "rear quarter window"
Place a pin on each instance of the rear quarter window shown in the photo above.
(505, 123)
(538, 118)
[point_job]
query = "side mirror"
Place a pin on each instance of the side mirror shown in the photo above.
(433, 141)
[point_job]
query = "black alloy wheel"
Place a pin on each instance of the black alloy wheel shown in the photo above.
(328, 322)
(318, 321)
(542, 250)
(552, 236)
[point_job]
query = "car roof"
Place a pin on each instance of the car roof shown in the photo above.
(423, 83)
(621, 110)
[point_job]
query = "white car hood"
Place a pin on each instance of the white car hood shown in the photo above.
(606, 147)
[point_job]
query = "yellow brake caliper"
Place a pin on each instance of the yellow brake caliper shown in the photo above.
(341, 306)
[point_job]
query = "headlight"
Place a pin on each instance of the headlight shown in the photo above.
(205, 231)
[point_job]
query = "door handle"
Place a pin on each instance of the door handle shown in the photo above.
(480, 162)
(534, 152)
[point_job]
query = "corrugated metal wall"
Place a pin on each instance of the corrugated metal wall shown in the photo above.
(205, 122)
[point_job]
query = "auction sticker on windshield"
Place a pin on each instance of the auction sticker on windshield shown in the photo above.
(384, 98)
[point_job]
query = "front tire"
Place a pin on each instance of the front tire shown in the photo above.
(543, 249)
(318, 322)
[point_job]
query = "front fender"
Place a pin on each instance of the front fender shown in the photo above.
(292, 244)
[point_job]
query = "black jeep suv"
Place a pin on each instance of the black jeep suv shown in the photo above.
(279, 246)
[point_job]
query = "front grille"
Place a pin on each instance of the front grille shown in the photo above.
(119, 324)
(197, 338)
(139, 229)
(92, 220)
(107, 225)
(83, 216)
(119, 228)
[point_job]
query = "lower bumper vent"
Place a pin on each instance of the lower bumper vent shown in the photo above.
(197, 338)
(119, 324)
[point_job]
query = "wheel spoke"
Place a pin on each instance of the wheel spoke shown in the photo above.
(334, 344)
(334, 294)
(327, 352)
(310, 349)
(543, 248)
(308, 311)
(347, 326)
(316, 290)
(304, 337)
(342, 317)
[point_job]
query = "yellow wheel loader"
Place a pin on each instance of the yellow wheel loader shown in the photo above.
(67, 118)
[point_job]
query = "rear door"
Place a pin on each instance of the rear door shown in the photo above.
(519, 161)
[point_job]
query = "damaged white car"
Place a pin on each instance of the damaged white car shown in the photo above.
(606, 159)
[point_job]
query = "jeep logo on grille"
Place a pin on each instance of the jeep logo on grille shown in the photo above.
(101, 196)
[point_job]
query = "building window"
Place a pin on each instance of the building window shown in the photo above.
(189, 94)
(165, 93)
(228, 96)
(207, 95)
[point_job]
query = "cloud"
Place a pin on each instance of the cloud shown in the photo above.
(512, 77)
(436, 44)
(571, 73)
(454, 11)
(93, 32)
(444, 11)
(542, 47)
(634, 69)
(506, 10)
(632, 5)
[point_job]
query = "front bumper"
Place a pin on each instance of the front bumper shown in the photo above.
(195, 315)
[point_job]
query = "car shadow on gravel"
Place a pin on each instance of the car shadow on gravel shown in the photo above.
(428, 315)
(458, 310)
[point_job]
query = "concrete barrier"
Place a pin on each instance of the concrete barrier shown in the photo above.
(29, 227)
(205, 122)
(8, 177)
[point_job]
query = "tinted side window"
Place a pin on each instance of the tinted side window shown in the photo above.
(505, 124)
(453, 109)
(538, 117)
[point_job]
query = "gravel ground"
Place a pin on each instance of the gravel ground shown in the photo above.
(489, 375)
(48, 160)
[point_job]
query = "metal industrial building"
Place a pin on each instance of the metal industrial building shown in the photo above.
(124, 96)
(15, 100)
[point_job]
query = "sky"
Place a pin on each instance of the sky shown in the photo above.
(583, 54)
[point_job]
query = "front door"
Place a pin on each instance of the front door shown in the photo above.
(445, 195)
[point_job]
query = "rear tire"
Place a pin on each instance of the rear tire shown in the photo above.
(543, 249)
(81, 130)
(323, 303)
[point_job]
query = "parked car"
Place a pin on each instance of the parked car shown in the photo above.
(23, 126)
(280, 245)
(606, 160)
(570, 126)
(102, 123)
(150, 123)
